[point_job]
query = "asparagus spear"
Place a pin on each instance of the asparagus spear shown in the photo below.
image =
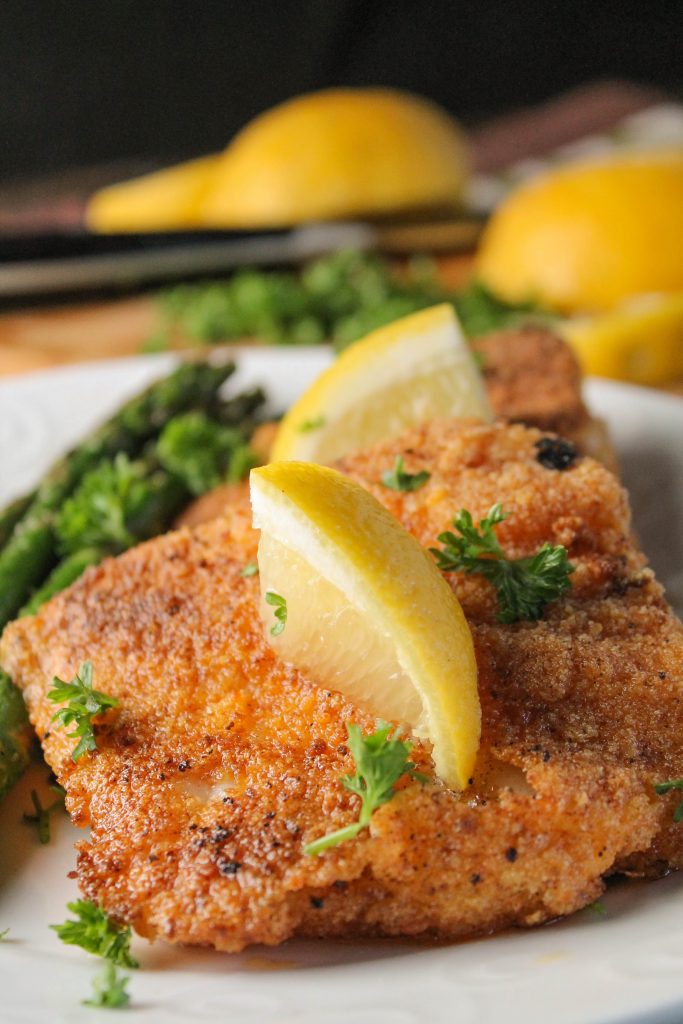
(11, 514)
(30, 552)
(15, 734)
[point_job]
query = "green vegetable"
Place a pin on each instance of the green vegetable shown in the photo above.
(315, 423)
(279, 603)
(96, 933)
(381, 760)
(397, 479)
(31, 551)
(480, 311)
(41, 816)
(524, 585)
(15, 734)
(109, 990)
(666, 787)
(84, 704)
(203, 453)
(340, 297)
(250, 569)
(10, 516)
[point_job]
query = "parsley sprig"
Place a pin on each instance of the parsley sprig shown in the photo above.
(666, 787)
(41, 816)
(99, 512)
(84, 704)
(381, 759)
(95, 932)
(397, 479)
(279, 603)
(109, 990)
(524, 585)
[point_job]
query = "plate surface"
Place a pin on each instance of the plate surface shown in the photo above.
(625, 966)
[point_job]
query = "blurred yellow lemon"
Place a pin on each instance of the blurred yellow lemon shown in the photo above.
(339, 153)
(164, 201)
(363, 609)
(416, 369)
(588, 236)
(641, 341)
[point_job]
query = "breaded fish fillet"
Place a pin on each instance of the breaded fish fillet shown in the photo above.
(221, 762)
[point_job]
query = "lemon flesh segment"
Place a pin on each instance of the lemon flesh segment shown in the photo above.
(416, 369)
(640, 342)
(368, 613)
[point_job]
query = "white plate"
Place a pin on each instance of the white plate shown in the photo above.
(626, 966)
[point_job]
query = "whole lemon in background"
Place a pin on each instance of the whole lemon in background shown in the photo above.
(588, 236)
(339, 153)
(329, 155)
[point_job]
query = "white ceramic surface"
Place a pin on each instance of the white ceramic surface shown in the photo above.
(626, 966)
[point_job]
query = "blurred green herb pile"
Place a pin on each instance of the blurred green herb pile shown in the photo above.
(337, 298)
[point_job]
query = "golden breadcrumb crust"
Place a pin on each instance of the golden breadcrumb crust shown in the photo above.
(222, 762)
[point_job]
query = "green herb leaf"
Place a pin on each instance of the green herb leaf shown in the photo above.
(524, 585)
(597, 908)
(280, 605)
(84, 704)
(96, 933)
(397, 479)
(4, 934)
(250, 569)
(315, 423)
(109, 990)
(381, 759)
(203, 453)
(41, 817)
(99, 511)
(666, 787)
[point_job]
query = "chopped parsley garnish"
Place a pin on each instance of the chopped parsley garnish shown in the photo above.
(100, 510)
(397, 479)
(4, 934)
(666, 787)
(381, 760)
(524, 585)
(597, 908)
(315, 423)
(96, 933)
(250, 569)
(109, 990)
(84, 704)
(203, 453)
(280, 605)
(41, 817)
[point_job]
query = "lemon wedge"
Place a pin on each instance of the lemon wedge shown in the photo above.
(366, 612)
(416, 369)
(641, 341)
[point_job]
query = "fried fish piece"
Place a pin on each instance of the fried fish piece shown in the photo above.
(221, 761)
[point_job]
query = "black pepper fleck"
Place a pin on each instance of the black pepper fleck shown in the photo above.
(183, 766)
(317, 902)
(229, 867)
(554, 453)
(511, 854)
(475, 879)
(662, 675)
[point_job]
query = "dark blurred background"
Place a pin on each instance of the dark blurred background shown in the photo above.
(87, 82)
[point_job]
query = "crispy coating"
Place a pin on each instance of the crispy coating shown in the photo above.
(221, 762)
